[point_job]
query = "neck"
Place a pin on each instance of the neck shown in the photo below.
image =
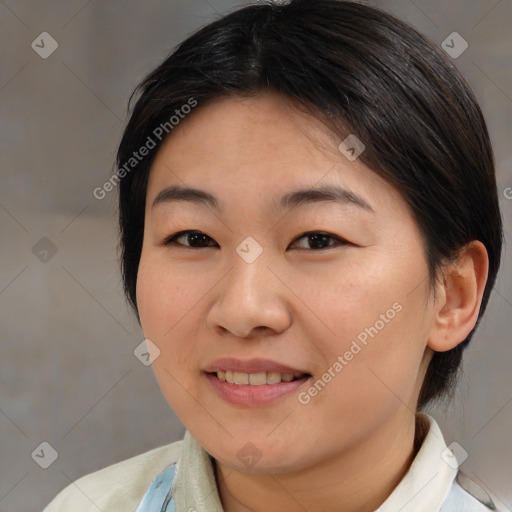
(358, 479)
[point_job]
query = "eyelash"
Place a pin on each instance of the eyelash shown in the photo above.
(170, 241)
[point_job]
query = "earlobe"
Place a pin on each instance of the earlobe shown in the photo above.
(459, 297)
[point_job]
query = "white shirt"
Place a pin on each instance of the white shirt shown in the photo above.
(433, 482)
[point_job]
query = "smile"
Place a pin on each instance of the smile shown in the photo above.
(253, 389)
(255, 379)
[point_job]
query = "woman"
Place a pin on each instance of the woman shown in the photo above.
(310, 233)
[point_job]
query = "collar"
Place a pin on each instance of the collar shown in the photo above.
(429, 478)
(423, 488)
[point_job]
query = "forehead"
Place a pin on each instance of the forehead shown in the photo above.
(267, 125)
(258, 147)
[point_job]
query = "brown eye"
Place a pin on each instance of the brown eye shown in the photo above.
(192, 238)
(320, 240)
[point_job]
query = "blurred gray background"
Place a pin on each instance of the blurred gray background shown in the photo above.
(67, 370)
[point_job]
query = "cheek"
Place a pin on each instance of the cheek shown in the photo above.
(163, 297)
(162, 301)
(377, 327)
(172, 299)
(346, 302)
(166, 308)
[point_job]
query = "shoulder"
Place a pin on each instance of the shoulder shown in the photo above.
(120, 486)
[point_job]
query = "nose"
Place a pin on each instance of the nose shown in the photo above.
(249, 299)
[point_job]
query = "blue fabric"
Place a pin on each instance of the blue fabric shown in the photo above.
(158, 497)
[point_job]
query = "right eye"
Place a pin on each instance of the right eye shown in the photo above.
(193, 237)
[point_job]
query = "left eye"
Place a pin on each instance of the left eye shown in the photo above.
(318, 237)
(195, 239)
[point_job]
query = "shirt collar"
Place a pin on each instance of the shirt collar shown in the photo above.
(195, 487)
(423, 488)
(429, 478)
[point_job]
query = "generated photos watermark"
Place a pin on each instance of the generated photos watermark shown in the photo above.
(158, 133)
(342, 361)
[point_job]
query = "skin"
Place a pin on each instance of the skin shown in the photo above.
(348, 448)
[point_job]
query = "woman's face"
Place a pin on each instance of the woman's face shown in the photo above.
(351, 309)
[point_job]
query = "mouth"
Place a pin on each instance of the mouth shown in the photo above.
(256, 378)
(254, 382)
(255, 389)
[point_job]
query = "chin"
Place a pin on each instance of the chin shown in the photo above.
(252, 454)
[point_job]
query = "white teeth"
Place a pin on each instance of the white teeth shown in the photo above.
(254, 379)
(241, 378)
(257, 379)
(273, 377)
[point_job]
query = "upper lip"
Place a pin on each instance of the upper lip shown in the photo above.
(251, 366)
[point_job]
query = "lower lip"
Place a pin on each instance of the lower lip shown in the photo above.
(243, 394)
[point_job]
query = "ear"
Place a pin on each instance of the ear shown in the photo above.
(458, 297)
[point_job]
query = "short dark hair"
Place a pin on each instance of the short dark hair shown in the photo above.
(361, 71)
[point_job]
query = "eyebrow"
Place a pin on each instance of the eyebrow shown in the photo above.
(291, 200)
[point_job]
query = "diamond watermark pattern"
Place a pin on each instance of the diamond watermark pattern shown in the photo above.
(454, 455)
(44, 250)
(249, 455)
(45, 455)
(44, 45)
(352, 147)
(249, 249)
(454, 45)
(146, 352)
